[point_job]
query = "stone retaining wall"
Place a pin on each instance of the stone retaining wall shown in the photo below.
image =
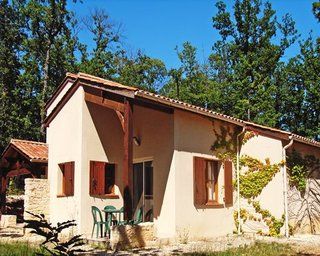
(36, 198)
(131, 236)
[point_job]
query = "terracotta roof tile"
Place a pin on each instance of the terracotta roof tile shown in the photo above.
(35, 151)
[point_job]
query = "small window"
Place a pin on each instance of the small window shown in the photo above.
(206, 187)
(212, 173)
(102, 178)
(67, 186)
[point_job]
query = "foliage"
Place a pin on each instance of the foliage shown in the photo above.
(273, 223)
(246, 57)
(257, 176)
(18, 249)
(258, 249)
(244, 76)
(189, 82)
(13, 189)
(142, 72)
(52, 244)
(248, 135)
(300, 168)
(225, 145)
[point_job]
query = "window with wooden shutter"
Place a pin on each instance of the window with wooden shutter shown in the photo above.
(102, 179)
(228, 187)
(67, 171)
(206, 187)
(199, 181)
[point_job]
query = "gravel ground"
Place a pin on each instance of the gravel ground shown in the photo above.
(304, 245)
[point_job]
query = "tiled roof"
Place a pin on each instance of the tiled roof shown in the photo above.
(34, 151)
(182, 105)
(200, 110)
(102, 81)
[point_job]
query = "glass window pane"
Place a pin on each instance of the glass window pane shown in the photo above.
(148, 178)
(109, 178)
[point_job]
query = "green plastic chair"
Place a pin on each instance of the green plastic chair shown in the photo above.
(138, 218)
(122, 221)
(110, 216)
(149, 216)
(98, 221)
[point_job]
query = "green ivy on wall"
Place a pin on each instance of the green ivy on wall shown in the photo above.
(256, 177)
(300, 168)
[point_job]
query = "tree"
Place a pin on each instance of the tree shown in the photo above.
(189, 82)
(11, 37)
(48, 51)
(246, 57)
(106, 36)
(141, 71)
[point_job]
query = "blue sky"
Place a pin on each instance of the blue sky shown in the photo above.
(158, 26)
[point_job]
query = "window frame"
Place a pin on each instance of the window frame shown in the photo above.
(215, 165)
(200, 190)
(64, 190)
(112, 195)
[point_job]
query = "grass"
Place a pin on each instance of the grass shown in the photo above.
(17, 249)
(258, 249)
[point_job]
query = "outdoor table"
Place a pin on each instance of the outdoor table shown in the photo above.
(113, 211)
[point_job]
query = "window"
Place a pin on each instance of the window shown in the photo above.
(67, 186)
(206, 182)
(102, 179)
(212, 173)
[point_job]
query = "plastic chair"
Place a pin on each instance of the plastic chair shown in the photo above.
(110, 216)
(138, 218)
(149, 216)
(98, 221)
(122, 221)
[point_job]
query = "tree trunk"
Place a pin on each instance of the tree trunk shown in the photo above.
(44, 90)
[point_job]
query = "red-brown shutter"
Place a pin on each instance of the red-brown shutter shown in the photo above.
(199, 181)
(68, 173)
(228, 188)
(92, 187)
(97, 178)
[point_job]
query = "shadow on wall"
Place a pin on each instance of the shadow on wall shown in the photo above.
(149, 124)
(303, 196)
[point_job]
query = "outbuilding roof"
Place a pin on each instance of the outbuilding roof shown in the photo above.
(34, 151)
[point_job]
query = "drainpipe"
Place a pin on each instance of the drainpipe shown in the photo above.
(238, 177)
(285, 187)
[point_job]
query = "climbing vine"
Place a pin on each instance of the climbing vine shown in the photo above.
(300, 168)
(254, 175)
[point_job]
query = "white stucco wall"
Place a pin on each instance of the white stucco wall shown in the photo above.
(194, 136)
(64, 136)
(262, 147)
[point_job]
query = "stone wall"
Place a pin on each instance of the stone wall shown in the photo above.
(36, 198)
(131, 236)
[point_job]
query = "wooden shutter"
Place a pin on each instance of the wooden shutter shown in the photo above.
(97, 178)
(228, 188)
(199, 181)
(68, 178)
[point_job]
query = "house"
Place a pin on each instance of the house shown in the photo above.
(111, 144)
